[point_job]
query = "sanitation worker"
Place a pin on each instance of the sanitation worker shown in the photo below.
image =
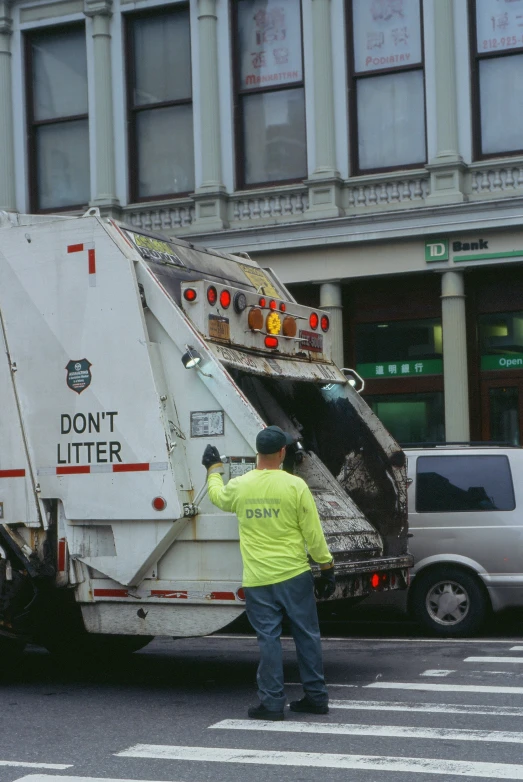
(278, 524)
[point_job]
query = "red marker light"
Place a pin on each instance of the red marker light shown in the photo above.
(313, 321)
(225, 299)
(325, 323)
(375, 580)
(159, 503)
(272, 305)
(212, 295)
(240, 594)
(271, 342)
(190, 294)
(262, 302)
(282, 307)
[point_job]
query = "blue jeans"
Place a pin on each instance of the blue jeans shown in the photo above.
(266, 607)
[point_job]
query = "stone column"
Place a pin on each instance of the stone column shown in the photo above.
(210, 197)
(324, 182)
(7, 152)
(455, 368)
(100, 12)
(330, 301)
(446, 168)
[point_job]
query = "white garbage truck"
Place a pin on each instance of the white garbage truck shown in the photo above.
(124, 352)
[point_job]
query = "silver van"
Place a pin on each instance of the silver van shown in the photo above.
(466, 521)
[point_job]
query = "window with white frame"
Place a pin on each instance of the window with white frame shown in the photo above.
(387, 95)
(161, 143)
(497, 31)
(270, 107)
(57, 116)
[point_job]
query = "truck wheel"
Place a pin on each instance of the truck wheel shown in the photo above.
(449, 602)
(10, 649)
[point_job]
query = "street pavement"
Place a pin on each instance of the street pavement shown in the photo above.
(403, 707)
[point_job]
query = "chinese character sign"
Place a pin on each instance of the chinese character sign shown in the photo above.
(270, 42)
(387, 34)
(499, 25)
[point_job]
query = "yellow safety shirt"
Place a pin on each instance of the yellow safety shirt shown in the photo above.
(277, 519)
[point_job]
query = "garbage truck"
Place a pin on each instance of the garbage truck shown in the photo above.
(123, 352)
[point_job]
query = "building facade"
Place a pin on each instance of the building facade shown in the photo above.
(369, 151)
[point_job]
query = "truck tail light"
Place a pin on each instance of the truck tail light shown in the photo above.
(190, 294)
(289, 327)
(271, 342)
(262, 302)
(240, 301)
(375, 580)
(273, 323)
(273, 305)
(283, 306)
(225, 299)
(314, 321)
(159, 503)
(212, 295)
(255, 319)
(325, 323)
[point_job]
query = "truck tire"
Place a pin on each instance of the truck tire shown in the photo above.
(448, 602)
(10, 649)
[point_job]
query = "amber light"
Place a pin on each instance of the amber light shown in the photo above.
(225, 299)
(255, 319)
(271, 342)
(314, 320)
(375, 580)
(190, 294)
(262, 302)
(159, 503)
(289, 327)
(325, 323)
(273, 323)
(212, 295)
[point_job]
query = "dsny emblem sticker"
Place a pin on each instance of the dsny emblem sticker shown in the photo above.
(79, 375)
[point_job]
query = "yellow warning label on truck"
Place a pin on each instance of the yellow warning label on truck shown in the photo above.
(260, 280)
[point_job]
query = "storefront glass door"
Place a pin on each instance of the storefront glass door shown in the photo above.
(502, 411)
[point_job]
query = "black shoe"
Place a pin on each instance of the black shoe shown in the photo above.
(307, 706)
(261, 713)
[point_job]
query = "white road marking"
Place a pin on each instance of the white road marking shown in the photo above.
(62, 778)
(516, 649)
(445, 687)
(493, 660)
(461, 768)
(224, 637)
(436, 708)
(384, 731)
(27, 764)
(436, 672)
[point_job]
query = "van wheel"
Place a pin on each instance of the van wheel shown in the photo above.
(448, 602)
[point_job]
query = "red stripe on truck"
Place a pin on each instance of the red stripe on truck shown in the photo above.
(110, 593)
(75, 248)
(170, 593)
(92, 261)
(61, 554)
(140, 467)
(12, 473)
(222, 596)
(73, 470)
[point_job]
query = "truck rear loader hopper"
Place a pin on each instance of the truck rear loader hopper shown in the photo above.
(122, 354)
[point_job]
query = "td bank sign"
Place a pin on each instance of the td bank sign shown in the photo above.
(471, 249)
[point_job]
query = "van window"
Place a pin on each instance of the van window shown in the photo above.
(463, 483)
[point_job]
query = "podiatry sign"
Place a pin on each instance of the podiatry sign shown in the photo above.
(503, 361)
(433, 366)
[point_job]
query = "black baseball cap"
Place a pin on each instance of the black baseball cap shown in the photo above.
(272, 439)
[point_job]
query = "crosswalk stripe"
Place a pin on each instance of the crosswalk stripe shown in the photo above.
(462, 768)
(62, 778)
(493, 660)
(384, 731)
(516, 649)
(436, 672)
(27, 764)
(429, 686)
(429, 708)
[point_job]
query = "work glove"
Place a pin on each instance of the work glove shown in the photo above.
(211, 458)
(325, 585)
